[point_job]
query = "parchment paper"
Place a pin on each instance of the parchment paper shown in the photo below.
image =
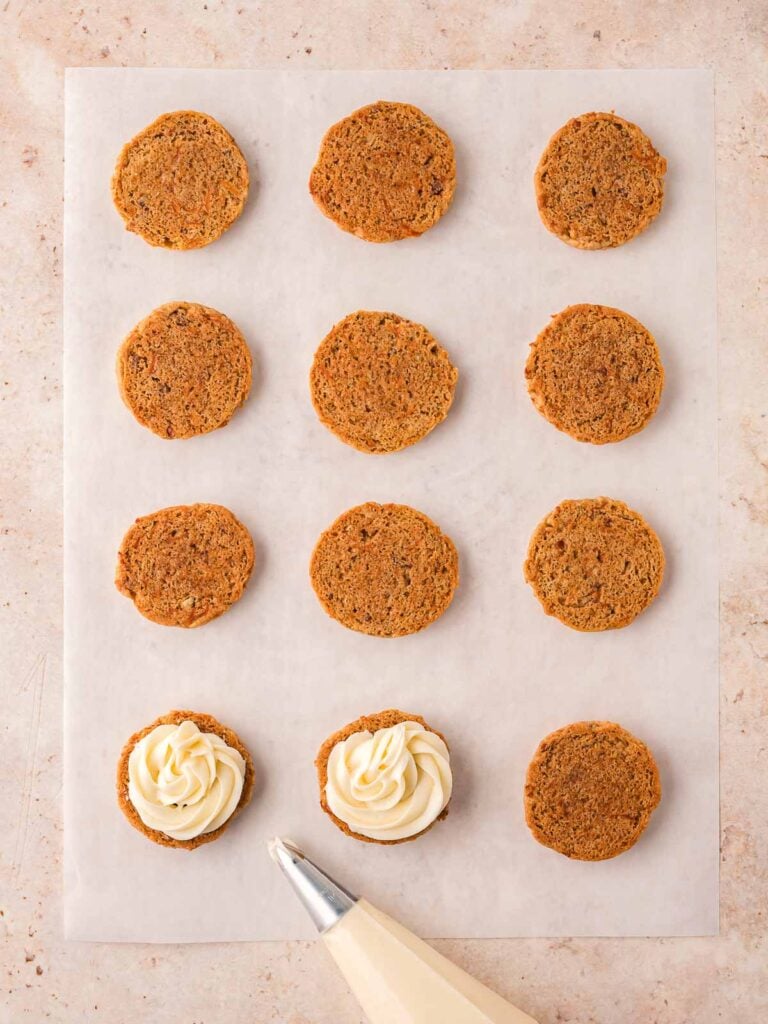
(494, 674)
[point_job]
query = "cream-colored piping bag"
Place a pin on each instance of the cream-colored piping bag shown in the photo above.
(396, 977)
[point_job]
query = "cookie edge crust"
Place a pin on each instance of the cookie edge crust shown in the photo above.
(456, 575)
(370, 723)
(540, 405)
(346, 438)
(126, 592)
(206, 723)
(530, 578)
(578, 728)
(594, 115)
(121, 361)
(115, 184)
(314, 193)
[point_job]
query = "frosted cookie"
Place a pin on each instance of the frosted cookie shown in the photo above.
(594, 564)
(184, 370)
(185, 565)
(590, 790)
(385, 570)
(183, 779)
(595, 373)
(599, 182)
(385, 778)
(385, 172)
(181, 182)
(381, 382)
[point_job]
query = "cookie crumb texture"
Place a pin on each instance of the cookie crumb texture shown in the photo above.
(184, 370)
(595, 373)
(385, 570)
(590, 790)
(181, 182)
(381, 382)
(384, 173)
(599, 182)
(594, 564)
(369, 723)
(205, 723)
(185, 565)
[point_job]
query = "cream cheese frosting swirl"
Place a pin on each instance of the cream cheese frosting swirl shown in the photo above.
(391, 784)
(184, 782)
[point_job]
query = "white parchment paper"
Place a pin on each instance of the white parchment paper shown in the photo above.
(494, 673)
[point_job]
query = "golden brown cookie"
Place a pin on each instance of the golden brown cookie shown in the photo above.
(368, 723)
(594, 564)
(590, 790)
(205, 723)
(184, 370)
(185, 565)
(599, 182)
(385, 172)
(181, 182)
(595, 373)
(385, 570)
(381, 382)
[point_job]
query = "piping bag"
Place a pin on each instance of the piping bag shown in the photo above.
(395, 976)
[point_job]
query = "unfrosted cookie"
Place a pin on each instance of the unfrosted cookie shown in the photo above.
(599, 182)
(184, 370)
(185, 773)
(408, 787)
(385, 570)
(381, 382)
(590, 790)
(185, 565)
(594, 564)
(595, 373)
(385, 172)
(181, 182)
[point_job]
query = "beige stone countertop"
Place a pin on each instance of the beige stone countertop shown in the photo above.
(586, 981)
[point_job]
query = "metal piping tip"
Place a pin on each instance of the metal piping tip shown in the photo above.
(324, 899)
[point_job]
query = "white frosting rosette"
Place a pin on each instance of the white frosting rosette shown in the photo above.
(391, 784)
(184, 782)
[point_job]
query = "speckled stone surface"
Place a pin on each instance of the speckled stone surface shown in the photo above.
(663, 981)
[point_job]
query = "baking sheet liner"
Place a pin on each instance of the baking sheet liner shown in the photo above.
(494, 673)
